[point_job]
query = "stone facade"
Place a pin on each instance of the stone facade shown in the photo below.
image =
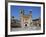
(37, 22)
(25, 19)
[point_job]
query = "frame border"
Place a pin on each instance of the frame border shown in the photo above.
(6, 18)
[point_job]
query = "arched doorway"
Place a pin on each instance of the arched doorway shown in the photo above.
(25, 25)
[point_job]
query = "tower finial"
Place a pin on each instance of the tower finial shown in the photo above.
(30, 12)
(22, 11)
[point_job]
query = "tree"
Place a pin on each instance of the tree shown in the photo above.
(13, 19)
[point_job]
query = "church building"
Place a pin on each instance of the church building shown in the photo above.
(26, 19)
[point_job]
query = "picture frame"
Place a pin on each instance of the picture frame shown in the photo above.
(8, 27)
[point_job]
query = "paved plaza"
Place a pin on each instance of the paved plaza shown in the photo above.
(26, 28)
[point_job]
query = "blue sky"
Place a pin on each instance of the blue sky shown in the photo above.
(15, 10)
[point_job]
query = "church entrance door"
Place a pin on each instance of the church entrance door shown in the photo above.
(25, 25)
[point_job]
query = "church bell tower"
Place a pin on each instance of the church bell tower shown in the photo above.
(26, 20)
